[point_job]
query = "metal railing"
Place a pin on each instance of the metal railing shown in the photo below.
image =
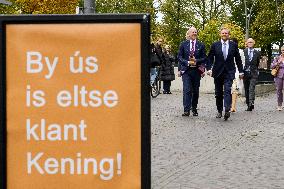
(265, 76)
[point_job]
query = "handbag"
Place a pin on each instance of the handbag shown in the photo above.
(154, 59)
(275, 70)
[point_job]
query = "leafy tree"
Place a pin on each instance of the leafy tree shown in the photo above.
(177, 18)
(211, 33)
(180, 14)
(206, 10)
(45, 6)
(237, 10)
(267, 27)
(129, 6)
(7, 9)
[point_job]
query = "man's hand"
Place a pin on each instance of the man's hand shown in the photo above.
(209, 72)
(179, 74)
(241, 76)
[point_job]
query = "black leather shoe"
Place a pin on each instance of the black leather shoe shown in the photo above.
(219, 115)
(226, 116)
(185, 114)
(165, 92)
(169, 92)
(249, 108)
(194, 113)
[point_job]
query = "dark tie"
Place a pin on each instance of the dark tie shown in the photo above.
(224, 51)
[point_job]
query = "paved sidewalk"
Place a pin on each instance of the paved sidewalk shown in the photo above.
(245, 152)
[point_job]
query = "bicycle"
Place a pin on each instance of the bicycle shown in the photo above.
(156, 86)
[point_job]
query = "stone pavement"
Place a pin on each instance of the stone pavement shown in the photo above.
(245, 152)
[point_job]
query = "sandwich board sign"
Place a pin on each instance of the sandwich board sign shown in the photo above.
(75, 105)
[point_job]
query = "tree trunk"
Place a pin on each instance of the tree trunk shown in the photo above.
(269, 54)
(281, 45)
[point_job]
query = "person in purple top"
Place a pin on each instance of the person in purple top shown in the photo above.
(279, 61)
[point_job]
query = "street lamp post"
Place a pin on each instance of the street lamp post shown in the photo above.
(248, 17)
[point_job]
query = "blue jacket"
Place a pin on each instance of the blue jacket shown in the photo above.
(216, 60)
(184, 53)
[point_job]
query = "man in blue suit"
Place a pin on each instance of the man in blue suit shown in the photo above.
(191, 56)
(223, 55)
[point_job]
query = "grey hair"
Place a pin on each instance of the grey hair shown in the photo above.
(224, 28)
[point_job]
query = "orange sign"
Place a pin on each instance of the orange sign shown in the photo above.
(73, 106)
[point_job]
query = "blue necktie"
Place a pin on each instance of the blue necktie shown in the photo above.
(250, 55)
(224, 51)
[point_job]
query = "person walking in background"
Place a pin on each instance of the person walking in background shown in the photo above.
(159, 49)
(167, 70)
(222, 58)
(252, 59)
(154, 61)
(156, 58)
(191, 56)
(279, 61)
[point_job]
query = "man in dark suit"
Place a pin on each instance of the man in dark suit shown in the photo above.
(191, 56)
(252, 59)
(223, 56)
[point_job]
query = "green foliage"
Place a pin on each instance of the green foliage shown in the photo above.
(180, 14)
(129, 6)
(237, 9)
(206, 15)
(211, 33)
(236, 32)
(206, 10)
(177, 19)
(45, 6)
(266, 28)
(7, 9)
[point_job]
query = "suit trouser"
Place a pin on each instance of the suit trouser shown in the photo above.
(167, 85)
(191, 83)
(223, 84)
(249, 85)
(279, 87)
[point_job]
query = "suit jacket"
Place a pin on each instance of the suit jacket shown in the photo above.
(253, 64)
(216, 59)
(184, 53)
